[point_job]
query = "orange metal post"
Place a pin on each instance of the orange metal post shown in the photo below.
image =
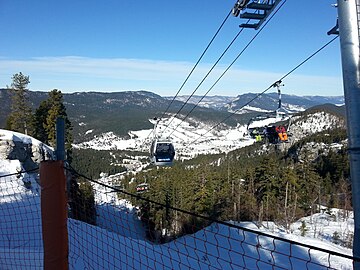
(54, 215)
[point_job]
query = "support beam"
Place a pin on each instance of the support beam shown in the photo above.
(255, 16)
(259, 6)
(250, 25)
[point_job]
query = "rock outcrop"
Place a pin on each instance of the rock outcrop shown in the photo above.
(30, 152)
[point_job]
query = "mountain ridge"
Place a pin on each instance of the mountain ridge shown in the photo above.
(267, 101)
(120, 112)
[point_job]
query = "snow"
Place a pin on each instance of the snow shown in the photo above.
(16, 136)
(318, 122)
(119, 242)
(255, 109)
(189, 140)
(293, 108)
(6, 135)
(266, 122)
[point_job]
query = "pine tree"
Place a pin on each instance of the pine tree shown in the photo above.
(21, 114)
(290, 197)
(39, 121)
(56, 108)
(82, 200)
(44, 121)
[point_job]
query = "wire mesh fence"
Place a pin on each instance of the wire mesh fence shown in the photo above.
(20, 222)
(113, 234)
(126, 237)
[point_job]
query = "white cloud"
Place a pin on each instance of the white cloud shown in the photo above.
(73, 73)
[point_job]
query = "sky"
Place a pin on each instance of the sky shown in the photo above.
(112, 45)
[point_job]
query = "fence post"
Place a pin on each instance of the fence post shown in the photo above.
(54, 215)
(350, 53)
(60, 138)
(54, 205)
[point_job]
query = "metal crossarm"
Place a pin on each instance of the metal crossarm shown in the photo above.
(257, 11)
(260, 6)
(256, 16)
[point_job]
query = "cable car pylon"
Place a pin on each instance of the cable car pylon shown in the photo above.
(349, 24)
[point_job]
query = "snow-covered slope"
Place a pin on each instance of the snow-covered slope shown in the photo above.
(119, 243)
(305, 125)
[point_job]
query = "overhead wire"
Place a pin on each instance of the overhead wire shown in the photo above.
(231, 64)
(197, 63)
(187, 131)
(268, 88)
(207, 74)
(194, 67)
(20, 172)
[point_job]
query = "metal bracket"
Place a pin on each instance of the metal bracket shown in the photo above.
(334, 30)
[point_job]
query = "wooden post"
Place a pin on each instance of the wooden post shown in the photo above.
(54, 215)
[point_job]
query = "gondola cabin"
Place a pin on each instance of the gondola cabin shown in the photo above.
(162, 152)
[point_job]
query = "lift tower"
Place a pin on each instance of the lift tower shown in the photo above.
(348, 22)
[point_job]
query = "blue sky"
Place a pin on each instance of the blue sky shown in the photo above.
(120, 45)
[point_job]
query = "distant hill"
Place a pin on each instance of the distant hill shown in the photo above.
(290, 103)
(5, 100)
(214, 102)
(328, 107)
(266, 102)
(93, 113)
(118, 112)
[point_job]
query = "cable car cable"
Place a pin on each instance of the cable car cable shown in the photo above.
(307, 59)
(227, 69)
(267, 89)
(194, 67)
(196, 64)
(207, 74)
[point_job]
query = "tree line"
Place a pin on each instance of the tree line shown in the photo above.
(41, 124)
(92, 162)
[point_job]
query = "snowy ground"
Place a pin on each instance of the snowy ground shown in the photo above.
(119, 242)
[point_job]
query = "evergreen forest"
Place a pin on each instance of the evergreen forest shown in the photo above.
(256, 183)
